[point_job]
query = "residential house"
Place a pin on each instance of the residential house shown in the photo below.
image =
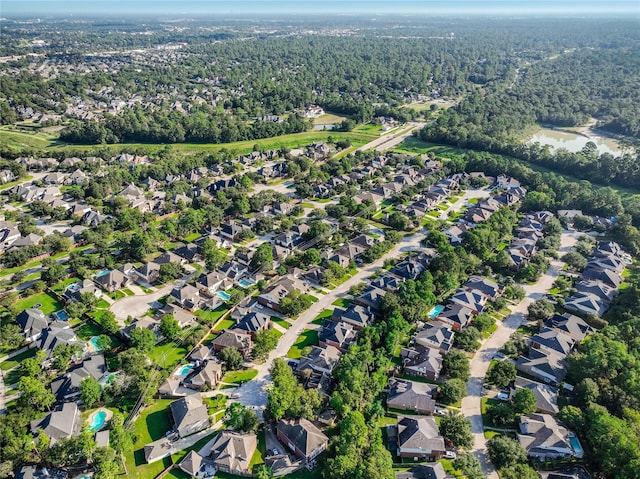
(145, 322)
(370, 298)
(210, 283)
(357, 316)
(338, 334)
(424, 471)
(190, 252)
(387, 282)
(419, 438)
(31, 239)
(148, 272)
(234, 270)
(33, 322)
(601, 290)
(194, 465)
(61, 423)
(411, 396)
(487, 287)
(237, 339)
(544, 438)
(586, 303)
(169, 257)
(189, 415)
(553, 340)
(546, 396)
(92, 218)
(302, 437)
(253, 322)
(112, 280)
(182, 316)
(204, 376)
(201, 353)
(455, 315)
(275, 293)
(571, 325)
(6, 176)
(422, 362)
(188, 297)
(606, 276)
(67, 386)
(435, 334)
(232, 231)
(543, 364)
(321, 359)
(473, 300)
(58, 333)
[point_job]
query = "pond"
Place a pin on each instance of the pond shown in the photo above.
(574, 142)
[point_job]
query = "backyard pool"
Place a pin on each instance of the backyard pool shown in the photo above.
(97, 420)
(94, 342)
(183, 370)
(223, 295)
(101, 273)
(245, 283)
(61, 315)
(436, 310)
(575, 444)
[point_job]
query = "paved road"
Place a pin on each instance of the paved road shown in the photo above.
(462, 201)
(481, 360)
(392, 139)
(136, 306)
(253, 393)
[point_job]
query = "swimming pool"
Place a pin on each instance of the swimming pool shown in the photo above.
(223, 295)
(101, 273)
(245, 283)
(97, 420)
(61, 315)
(575, 444)
(436, 310)
(184, 370)
(94, 342)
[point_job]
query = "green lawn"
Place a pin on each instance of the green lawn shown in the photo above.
(62, 286)
(116, 295)
(152, 424)
(341, 302)
(48, 303)
(212, 316)
(325, 314)
(102, 304)
(88, 330)
(485, 405)
(14, 361)
(261, 451)
(128, 292)
(241, 376)
(192, 237)
(167, 355)
(307, 338)
(283, 323)
(224, 324)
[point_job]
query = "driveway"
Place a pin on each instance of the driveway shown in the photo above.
(479, 365)
(136, 306)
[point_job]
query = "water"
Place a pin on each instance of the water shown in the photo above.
(61, 315)
(573, 142)
(97, 420)
(94, 343)
(436, 310)
(184, 370)
(223, 295)
(101, 273)
(245, 283)
(326, 126)
(575, 444)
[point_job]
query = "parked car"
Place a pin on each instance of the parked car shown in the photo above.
(503, 396)
(440, 412)
(450, 455)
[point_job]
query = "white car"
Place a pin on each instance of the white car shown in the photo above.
(440, 412)
(503, 396)
(450, 455)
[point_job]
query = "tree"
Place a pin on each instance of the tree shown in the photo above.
(53, 272)
(263, 257)
(263, 472)
(107, 320)
(502, 373)
(505, 452)
(169, 327)
(457, 429)
(524, 402)
(119, 438)
(467, 339)
(452, 391)
(502, 414)
(575, 260)
(169, 272)
(10, 336)
(540, 310)
(469, 465)
(35, 394)
(264, 342)
(104, 463)
(519, 471)
(241, 418)
(455, 364)
(90, 391)
(231, 358)
(143, 339)
(398, 221)
(63, 353)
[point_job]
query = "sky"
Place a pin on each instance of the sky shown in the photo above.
(120, 8)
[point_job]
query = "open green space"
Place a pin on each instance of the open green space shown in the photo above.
(283, 323)
(241, 376)
(62, 285)
(48, 303)
(307, 338)
(325, 314)
(341, 302)
(167, 355)
(88, 330)
(17, 359)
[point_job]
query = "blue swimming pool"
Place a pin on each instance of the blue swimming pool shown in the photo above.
(184, 370)
(223, 295)
(94, 343)
(575, 444)
(436, 310)
(101, 273)
(97, 420)
(245, 283)
(61, 315)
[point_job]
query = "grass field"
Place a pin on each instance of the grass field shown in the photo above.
(307, 338)
(167, 355)
(241, 376)
(14, 361)
(341, 302)
(48, 304)
(283, 323)
(88, 330)
(325, 314)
